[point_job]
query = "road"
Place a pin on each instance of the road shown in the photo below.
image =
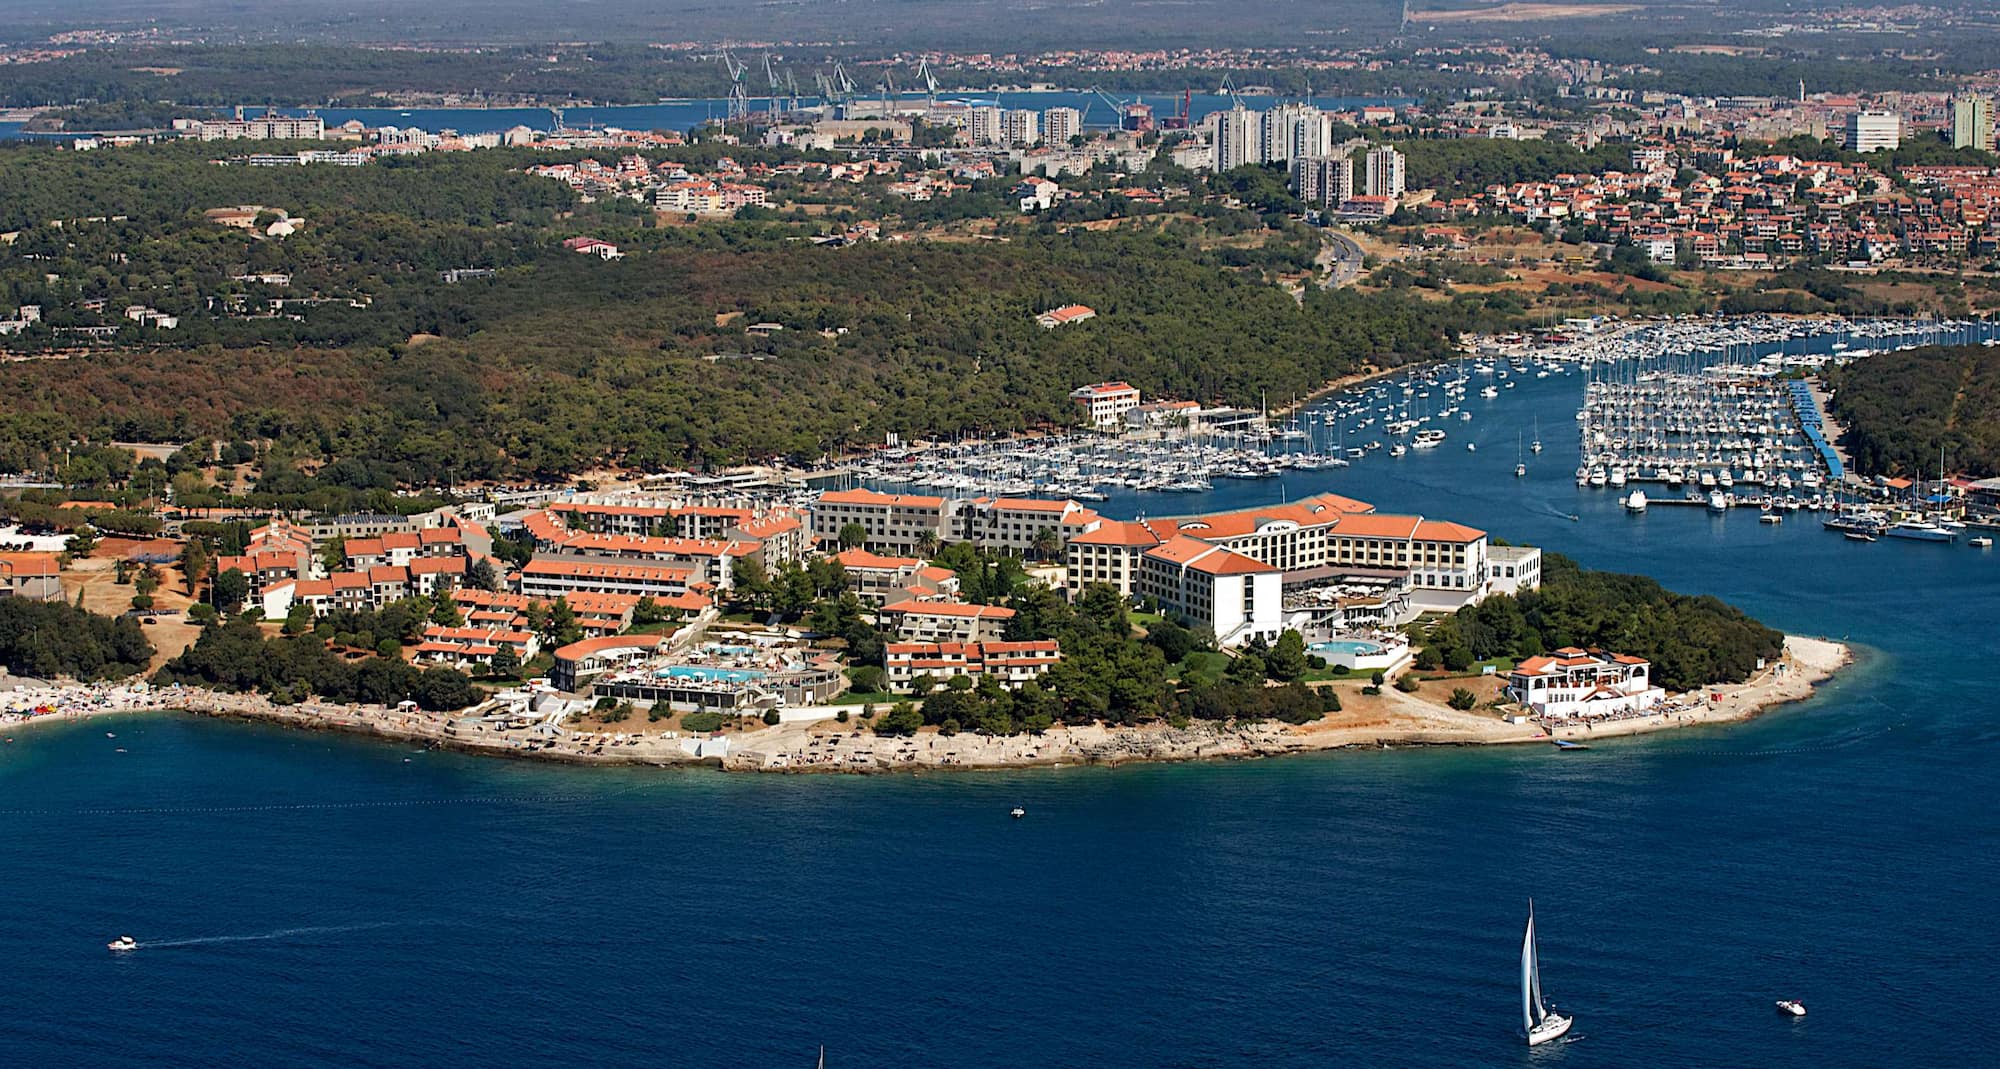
(1340, 259)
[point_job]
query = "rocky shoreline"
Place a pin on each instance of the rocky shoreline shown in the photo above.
(824, 746)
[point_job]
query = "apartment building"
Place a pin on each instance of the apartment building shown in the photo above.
(945, 621)
(899, 523)
(1061, 124)
(1385, 173)
(1011, 663)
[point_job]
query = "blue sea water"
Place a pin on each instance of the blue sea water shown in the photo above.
(311, 900)
(687, 114)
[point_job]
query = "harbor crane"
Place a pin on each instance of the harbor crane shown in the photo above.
(1116, 105)
(771, 81)
(929, 79)
(739, 100)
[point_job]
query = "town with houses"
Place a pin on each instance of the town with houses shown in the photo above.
(640, 583)
(1696, 185)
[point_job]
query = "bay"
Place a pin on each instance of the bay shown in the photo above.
(369, 906)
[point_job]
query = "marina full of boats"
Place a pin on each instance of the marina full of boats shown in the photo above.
(1705, 412)
(1383, 418)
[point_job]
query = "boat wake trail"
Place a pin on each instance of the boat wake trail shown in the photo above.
(263, 937)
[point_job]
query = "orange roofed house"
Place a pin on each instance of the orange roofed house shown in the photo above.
(1585, 684)
(34, 576)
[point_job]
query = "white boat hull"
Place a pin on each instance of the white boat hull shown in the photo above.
(1554, 1026)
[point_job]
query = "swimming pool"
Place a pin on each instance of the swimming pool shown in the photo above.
(1352, 647)
(705, 674)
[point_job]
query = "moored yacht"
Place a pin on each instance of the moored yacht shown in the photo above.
(1920, 531)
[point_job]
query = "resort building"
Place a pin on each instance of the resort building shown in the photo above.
(1014, 524)
(893, 522)
(1324, 541)
(1236, 597)
(1574, 683)
(1105, 403)
(745, 674)
(664, 582)
(945, 621)
(399, 548)
(1011, 663)
(878, 580)
(466, 647)
(1513, 569)
(579, 662)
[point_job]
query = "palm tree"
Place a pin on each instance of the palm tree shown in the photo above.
(927, 545)
(1048, 544)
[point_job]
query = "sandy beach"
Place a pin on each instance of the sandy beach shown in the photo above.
(1396, 720)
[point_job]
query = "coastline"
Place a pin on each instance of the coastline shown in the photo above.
(824, 746)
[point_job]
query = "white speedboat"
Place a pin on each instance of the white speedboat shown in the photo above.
(1981, 542)
(1017, 813)
(1542, 1024)
(1636, 502)
(1792, 1007)
(1771, 517)
(1716, 502)
(1520, 470)
(122, 944)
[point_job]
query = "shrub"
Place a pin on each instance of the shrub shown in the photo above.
(1371, 690)
(772, 717)
(1461, 699)
(1376, 679)
(702, 721)
(840, 717)
(1407, 684)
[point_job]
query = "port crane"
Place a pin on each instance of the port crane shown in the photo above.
(929, 79)
(739, 100)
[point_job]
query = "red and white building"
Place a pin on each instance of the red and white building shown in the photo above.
(1583, 684)
(946, 621)
(1011, 663)
(895, 523)
(1105, 403)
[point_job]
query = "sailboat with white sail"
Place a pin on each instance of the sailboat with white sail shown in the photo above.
(1542, 1024)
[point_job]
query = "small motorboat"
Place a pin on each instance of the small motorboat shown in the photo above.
(1982, 542)
(1858, 536)
(1792, 1007)
(1018, 813)
(1770, 517)
(1565, 744)
(122, 944)
(110, 735)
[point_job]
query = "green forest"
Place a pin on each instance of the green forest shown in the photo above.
(562, 361)
(1898, 410)
(50, 639)
(1692, 641)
